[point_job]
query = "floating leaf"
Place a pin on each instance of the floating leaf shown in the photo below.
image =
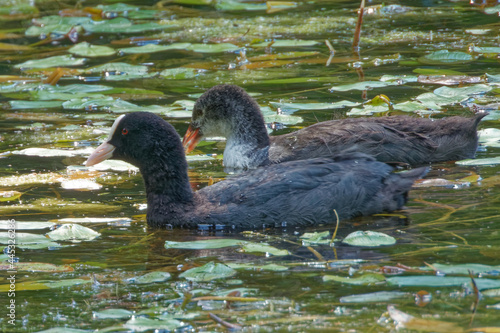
(6, 225)
(44, 284)
(284, 55)
(179, 73)
(368, 238)
(139, 324)
(19, 105)
(491, 49)
(122, 25)
(112, 314)
(365, 279)
(364, 85)
(408, 321)
(234, 5)
(80, 184)
(462, 92)
(48, 152)
(379, 296)
(94, 220)
(263, 248)
(463, 268)
(441, 281)
(489, 137)
(56, 61)
(85, 49)
(480, 161)
(315, 238)
(73, 233)
(39, 267)
(151, 277)
(114, 165)
(28, 241)
(268, 267)
(217, 243)
(9, 195)
(208, 272)
(151, 48)
(445, 57)
(287, 43)
(314, 106)
(118, 67)
(213, 48)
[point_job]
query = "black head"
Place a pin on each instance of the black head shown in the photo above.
(139, 138)
(220, 107)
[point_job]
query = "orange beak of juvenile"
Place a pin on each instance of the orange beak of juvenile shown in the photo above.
(191, 138)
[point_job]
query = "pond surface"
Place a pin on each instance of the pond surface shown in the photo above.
(429, 58)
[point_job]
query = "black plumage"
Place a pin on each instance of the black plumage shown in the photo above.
(227, 110)
(297, 193)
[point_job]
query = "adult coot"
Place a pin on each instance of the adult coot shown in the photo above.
(227, 110)
(296, 193)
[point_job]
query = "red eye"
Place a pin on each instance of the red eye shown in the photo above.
(124, 131)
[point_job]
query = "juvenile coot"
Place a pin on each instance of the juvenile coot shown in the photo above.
(227, 110)
(296, 193)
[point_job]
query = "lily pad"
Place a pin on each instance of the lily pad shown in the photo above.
(20, 105)
(364, 85)
(463, 268)
(368, 238)
(208, 272)
(287, 43)
(179, 73)
(94, 220)
(19, 225)
(9, 195)
(140, 324)
(80, 184)
(217, 243)
(379, 296)
(49, 152)
(315, 238)
(123, 26)
(151, 277)
(88, 50)
(151, 48)
(44, 284)
(442, 281)
(268, 267)
(28, 240)
(213, 48)
(112, 314)
(56, 61)
(314, 106)
(73, 233)
(445, 57)
(480, 161)
(365, 279)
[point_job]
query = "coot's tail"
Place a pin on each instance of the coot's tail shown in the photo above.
(395, 192)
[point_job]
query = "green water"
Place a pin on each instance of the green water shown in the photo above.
(457, 224)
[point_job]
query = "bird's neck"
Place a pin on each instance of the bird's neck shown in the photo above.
(168, 190)
(247, 144)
